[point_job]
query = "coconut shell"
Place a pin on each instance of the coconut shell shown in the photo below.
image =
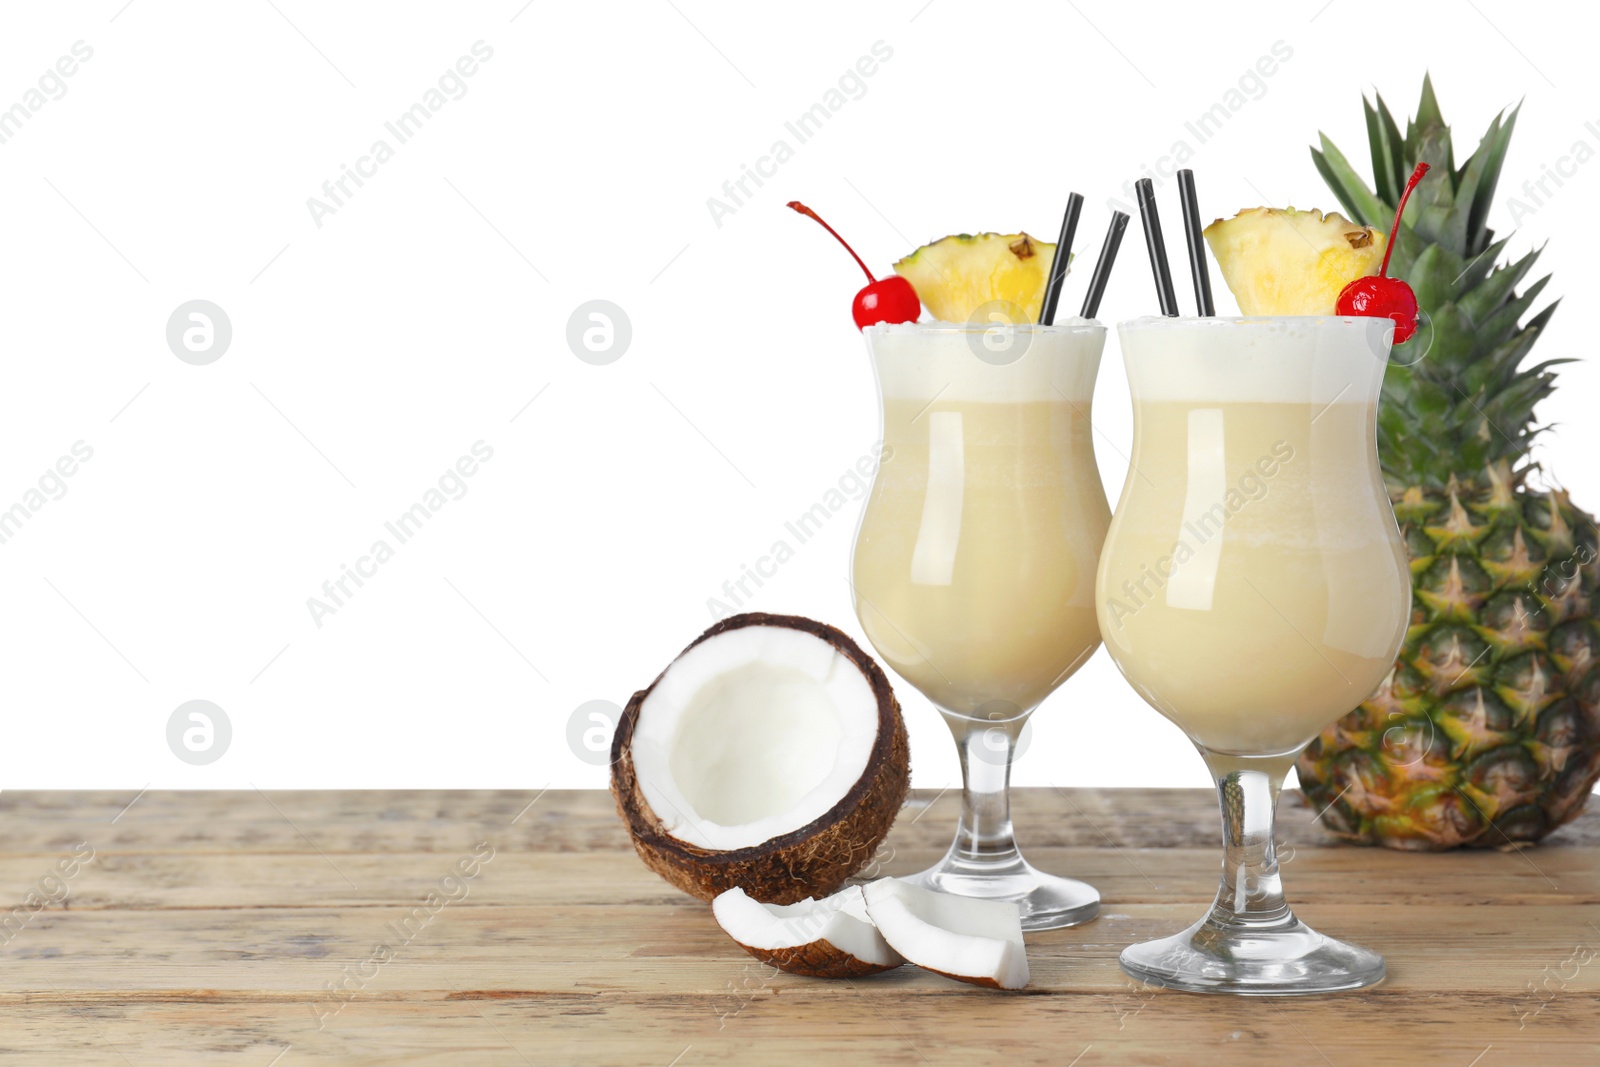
(812, 861)
(983, 981)
(818, 959)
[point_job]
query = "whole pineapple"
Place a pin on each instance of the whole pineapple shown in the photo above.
(1487, 731)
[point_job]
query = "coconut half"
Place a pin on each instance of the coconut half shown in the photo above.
(827, 938)
(965, 938)
(769, 756)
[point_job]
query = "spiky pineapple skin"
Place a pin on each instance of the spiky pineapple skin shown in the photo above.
(1487, 731)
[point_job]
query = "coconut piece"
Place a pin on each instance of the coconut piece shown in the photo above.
(965, 938)
(827, 938)
(769, 756)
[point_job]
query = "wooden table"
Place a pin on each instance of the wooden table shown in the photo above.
(244, 928)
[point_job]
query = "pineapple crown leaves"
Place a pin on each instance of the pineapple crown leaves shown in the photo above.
(1469, 402)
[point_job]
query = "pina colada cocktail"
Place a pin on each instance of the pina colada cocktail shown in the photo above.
(973, 570)
(1253, 588)
(974, 562)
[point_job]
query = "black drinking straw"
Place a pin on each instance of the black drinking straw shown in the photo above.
(1058, 268)
(1102, 268)
(1156, 245)
(1196, 242)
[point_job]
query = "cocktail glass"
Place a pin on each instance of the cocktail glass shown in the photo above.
(974, 562)
(1253, 589)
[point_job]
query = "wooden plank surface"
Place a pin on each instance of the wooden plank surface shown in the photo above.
(241, 928)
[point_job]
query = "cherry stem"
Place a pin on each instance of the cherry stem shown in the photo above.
(798, 206)
(1399, 213)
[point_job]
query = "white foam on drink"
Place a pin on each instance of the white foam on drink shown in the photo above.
(971, 362)
(1333, 360)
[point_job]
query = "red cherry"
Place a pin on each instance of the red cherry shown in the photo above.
(891, 300)
(1380, 296)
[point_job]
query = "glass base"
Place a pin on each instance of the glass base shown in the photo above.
(1046, 901)
(1285, 959)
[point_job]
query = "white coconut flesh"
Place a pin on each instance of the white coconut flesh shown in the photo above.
(840, 920)
(752, 734)
(974, 940)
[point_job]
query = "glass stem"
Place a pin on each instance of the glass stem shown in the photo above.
(983, 837)
(1251, 894)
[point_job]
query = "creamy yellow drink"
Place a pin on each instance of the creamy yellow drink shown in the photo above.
(975, 559)
(1253, 587)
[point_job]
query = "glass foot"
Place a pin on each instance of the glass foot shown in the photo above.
(1046, 901)
(1285, 959)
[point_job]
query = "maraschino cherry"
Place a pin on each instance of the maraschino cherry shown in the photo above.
(1379, 295)
(890, 300)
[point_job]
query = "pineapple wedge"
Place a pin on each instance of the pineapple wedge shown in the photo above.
(957, 275)
(1288, 262)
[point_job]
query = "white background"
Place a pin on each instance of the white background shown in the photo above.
(421, 317)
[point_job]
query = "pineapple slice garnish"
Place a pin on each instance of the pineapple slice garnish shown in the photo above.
(956, 276)
(1287, 262)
